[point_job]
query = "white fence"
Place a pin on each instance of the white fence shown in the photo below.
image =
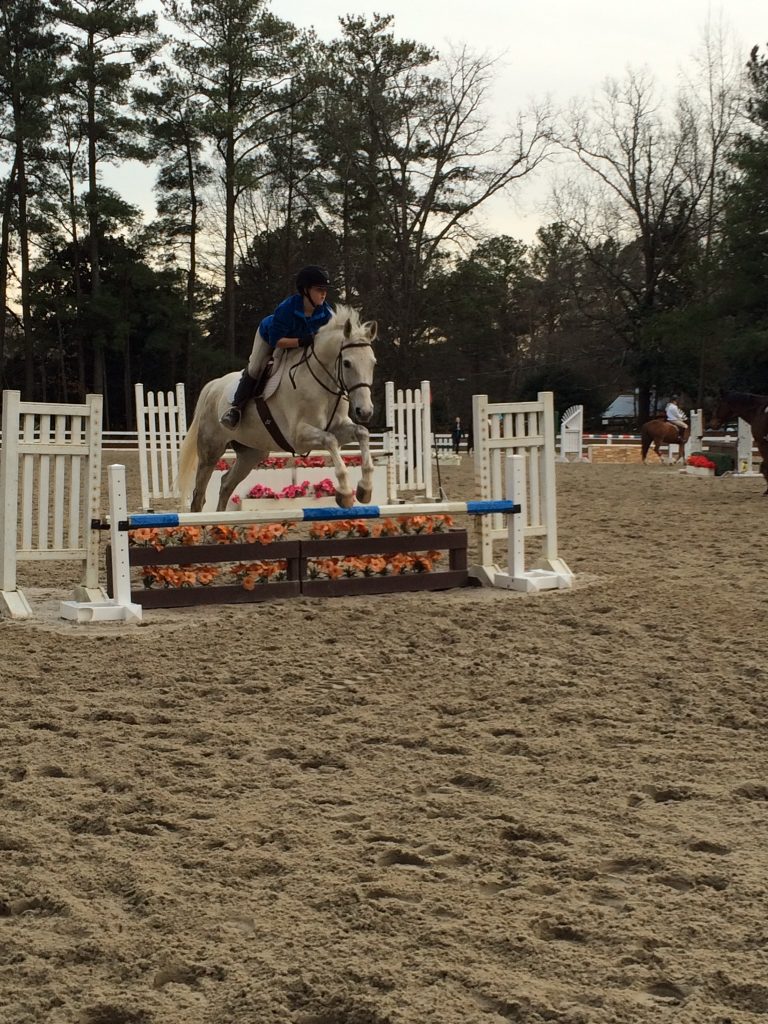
(161, 426)
(408, 416)
(518, 428)
(572, 433)
(50, 486)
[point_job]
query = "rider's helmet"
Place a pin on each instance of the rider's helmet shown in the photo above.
(309, 277)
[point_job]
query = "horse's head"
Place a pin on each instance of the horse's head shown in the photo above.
(721, 413)
(355, 361)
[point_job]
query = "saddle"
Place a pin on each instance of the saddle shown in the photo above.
(271, 376)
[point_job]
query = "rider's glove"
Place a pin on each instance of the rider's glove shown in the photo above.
(306, 342)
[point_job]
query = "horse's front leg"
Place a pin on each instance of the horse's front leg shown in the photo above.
(365, 487)
(307, 438)
(349, 431)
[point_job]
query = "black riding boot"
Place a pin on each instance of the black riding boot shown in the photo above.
(245, 388)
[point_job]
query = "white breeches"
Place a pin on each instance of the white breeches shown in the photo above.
(260, 355)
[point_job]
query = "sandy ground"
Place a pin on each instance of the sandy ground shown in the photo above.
(456, 808)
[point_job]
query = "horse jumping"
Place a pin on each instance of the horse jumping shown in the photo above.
(753, 409)
(657, 432)
(323, 401)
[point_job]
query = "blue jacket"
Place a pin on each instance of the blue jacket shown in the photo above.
(290, 321)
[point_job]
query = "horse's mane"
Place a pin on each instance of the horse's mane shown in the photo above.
(332, 333)
(343, 313)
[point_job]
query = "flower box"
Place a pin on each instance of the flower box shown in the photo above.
(456, 575)
(275, 504)
(298, 557)
(699, 471)
(203, 554)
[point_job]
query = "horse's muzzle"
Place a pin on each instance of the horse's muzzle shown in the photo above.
(361, 414)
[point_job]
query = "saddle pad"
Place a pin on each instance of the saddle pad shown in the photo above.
(276, 374)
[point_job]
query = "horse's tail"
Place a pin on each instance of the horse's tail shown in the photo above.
(185, 481)
(645, 440)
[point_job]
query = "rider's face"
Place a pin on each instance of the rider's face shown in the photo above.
(317, 294)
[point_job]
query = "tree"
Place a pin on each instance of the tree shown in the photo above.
(413, 160)
(744, 257)
(141, 309)
(29, 52)
(174, 124)
(236, 53)
(110, 41)
(635, 218)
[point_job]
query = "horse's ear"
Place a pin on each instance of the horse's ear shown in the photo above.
(348, 329)
(372, 328)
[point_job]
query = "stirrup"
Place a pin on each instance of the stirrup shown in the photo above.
(231, 418)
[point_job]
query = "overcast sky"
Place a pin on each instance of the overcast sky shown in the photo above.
(557, 48)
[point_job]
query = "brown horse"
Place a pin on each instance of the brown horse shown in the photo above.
(659, 431)
(753, 409)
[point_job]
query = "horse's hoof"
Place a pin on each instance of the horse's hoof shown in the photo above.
(345, 500)
(363, 494)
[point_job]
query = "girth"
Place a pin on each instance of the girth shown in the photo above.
(267, 419)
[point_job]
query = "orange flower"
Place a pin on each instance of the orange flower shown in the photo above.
(318, 531)
(142, 536)
(221, 534)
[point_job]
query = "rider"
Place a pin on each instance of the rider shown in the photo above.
(676, 416)
(293, 324)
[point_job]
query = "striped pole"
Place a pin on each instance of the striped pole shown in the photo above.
(163, 520)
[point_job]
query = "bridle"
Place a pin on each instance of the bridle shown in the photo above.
(339, 388)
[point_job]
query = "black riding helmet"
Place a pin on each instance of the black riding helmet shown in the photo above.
(309, 277)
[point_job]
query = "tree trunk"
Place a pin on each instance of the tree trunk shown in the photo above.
(93, 240)
(5, 234)
(229, 246)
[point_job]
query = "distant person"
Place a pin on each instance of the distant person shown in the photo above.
(456, 435)
(676, 416)
(470, 441)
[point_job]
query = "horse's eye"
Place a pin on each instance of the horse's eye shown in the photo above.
(347, 364)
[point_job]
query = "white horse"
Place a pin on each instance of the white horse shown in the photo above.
(324, 400)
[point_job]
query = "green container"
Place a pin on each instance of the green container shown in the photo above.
(724, 463)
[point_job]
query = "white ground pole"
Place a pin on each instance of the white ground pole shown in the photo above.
(408, 439)
(50, 492)
(161, 426)
(527, 429)
(119, 608)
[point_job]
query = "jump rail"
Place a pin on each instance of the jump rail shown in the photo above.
(163, 520)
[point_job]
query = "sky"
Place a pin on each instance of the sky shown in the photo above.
(561, 49)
